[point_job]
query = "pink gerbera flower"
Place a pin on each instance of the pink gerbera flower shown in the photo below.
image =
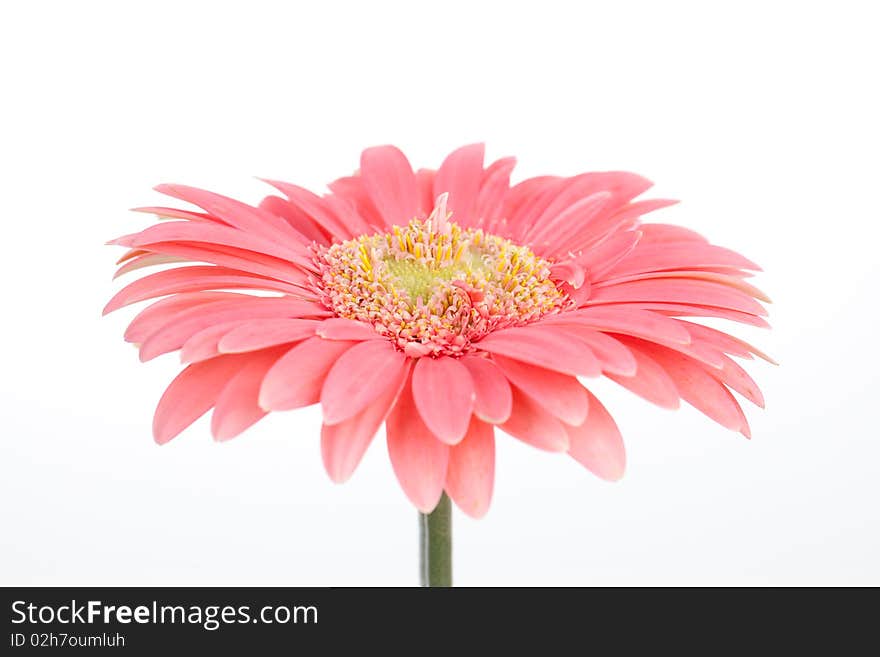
(446, 304)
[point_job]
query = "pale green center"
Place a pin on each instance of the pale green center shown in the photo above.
(435, 288)
(421, 278)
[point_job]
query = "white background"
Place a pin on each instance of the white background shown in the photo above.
(761, 117)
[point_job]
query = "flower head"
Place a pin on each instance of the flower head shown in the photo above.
(434, 288)
(445, 304)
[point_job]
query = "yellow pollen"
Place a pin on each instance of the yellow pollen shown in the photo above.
(436, 285)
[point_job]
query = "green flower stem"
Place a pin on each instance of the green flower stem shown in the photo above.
(435, 543)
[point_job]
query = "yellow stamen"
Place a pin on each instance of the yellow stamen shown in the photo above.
(419, 285)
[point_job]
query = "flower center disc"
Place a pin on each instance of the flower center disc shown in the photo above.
(433, 288)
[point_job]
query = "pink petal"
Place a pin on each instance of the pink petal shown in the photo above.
(691, 310)
(192, 393)
(649, 381)
(620, 185)
(578, 295)
(699, 388)
(582, 212)
(246, 218)
(726, 343)
(391, 183)
(526, 200)
(443, 391)
(606, 224)
(419, 460)
(140, 259)
(184, 325)
(296, 217)
(354, 381)
(205, 344)
(736, 378)
(242, 260)
(603, 257)
(555, 236)
(236, 408)
(535, 426)
(615, 357)
(530, 345)
(470, 474)
(667, 233)
(492, 396)
(704, 352)
(175, 213)
(678, 255)
(317, 209)
(192, 279)
(157, 314)
(263, 333)
(351, 190)
(348, 215)
(625, 218)
(128, 255)
(343, 445)
(681, 290)
(597, 444)
(211, 234)
(626, 320)
(493, 189)
(561, 395)
(425, 184)
(729, 280)
(744, 427)
(296, 379)
(569, 272)
(339, 328)
(701, 351)
(460, 176)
